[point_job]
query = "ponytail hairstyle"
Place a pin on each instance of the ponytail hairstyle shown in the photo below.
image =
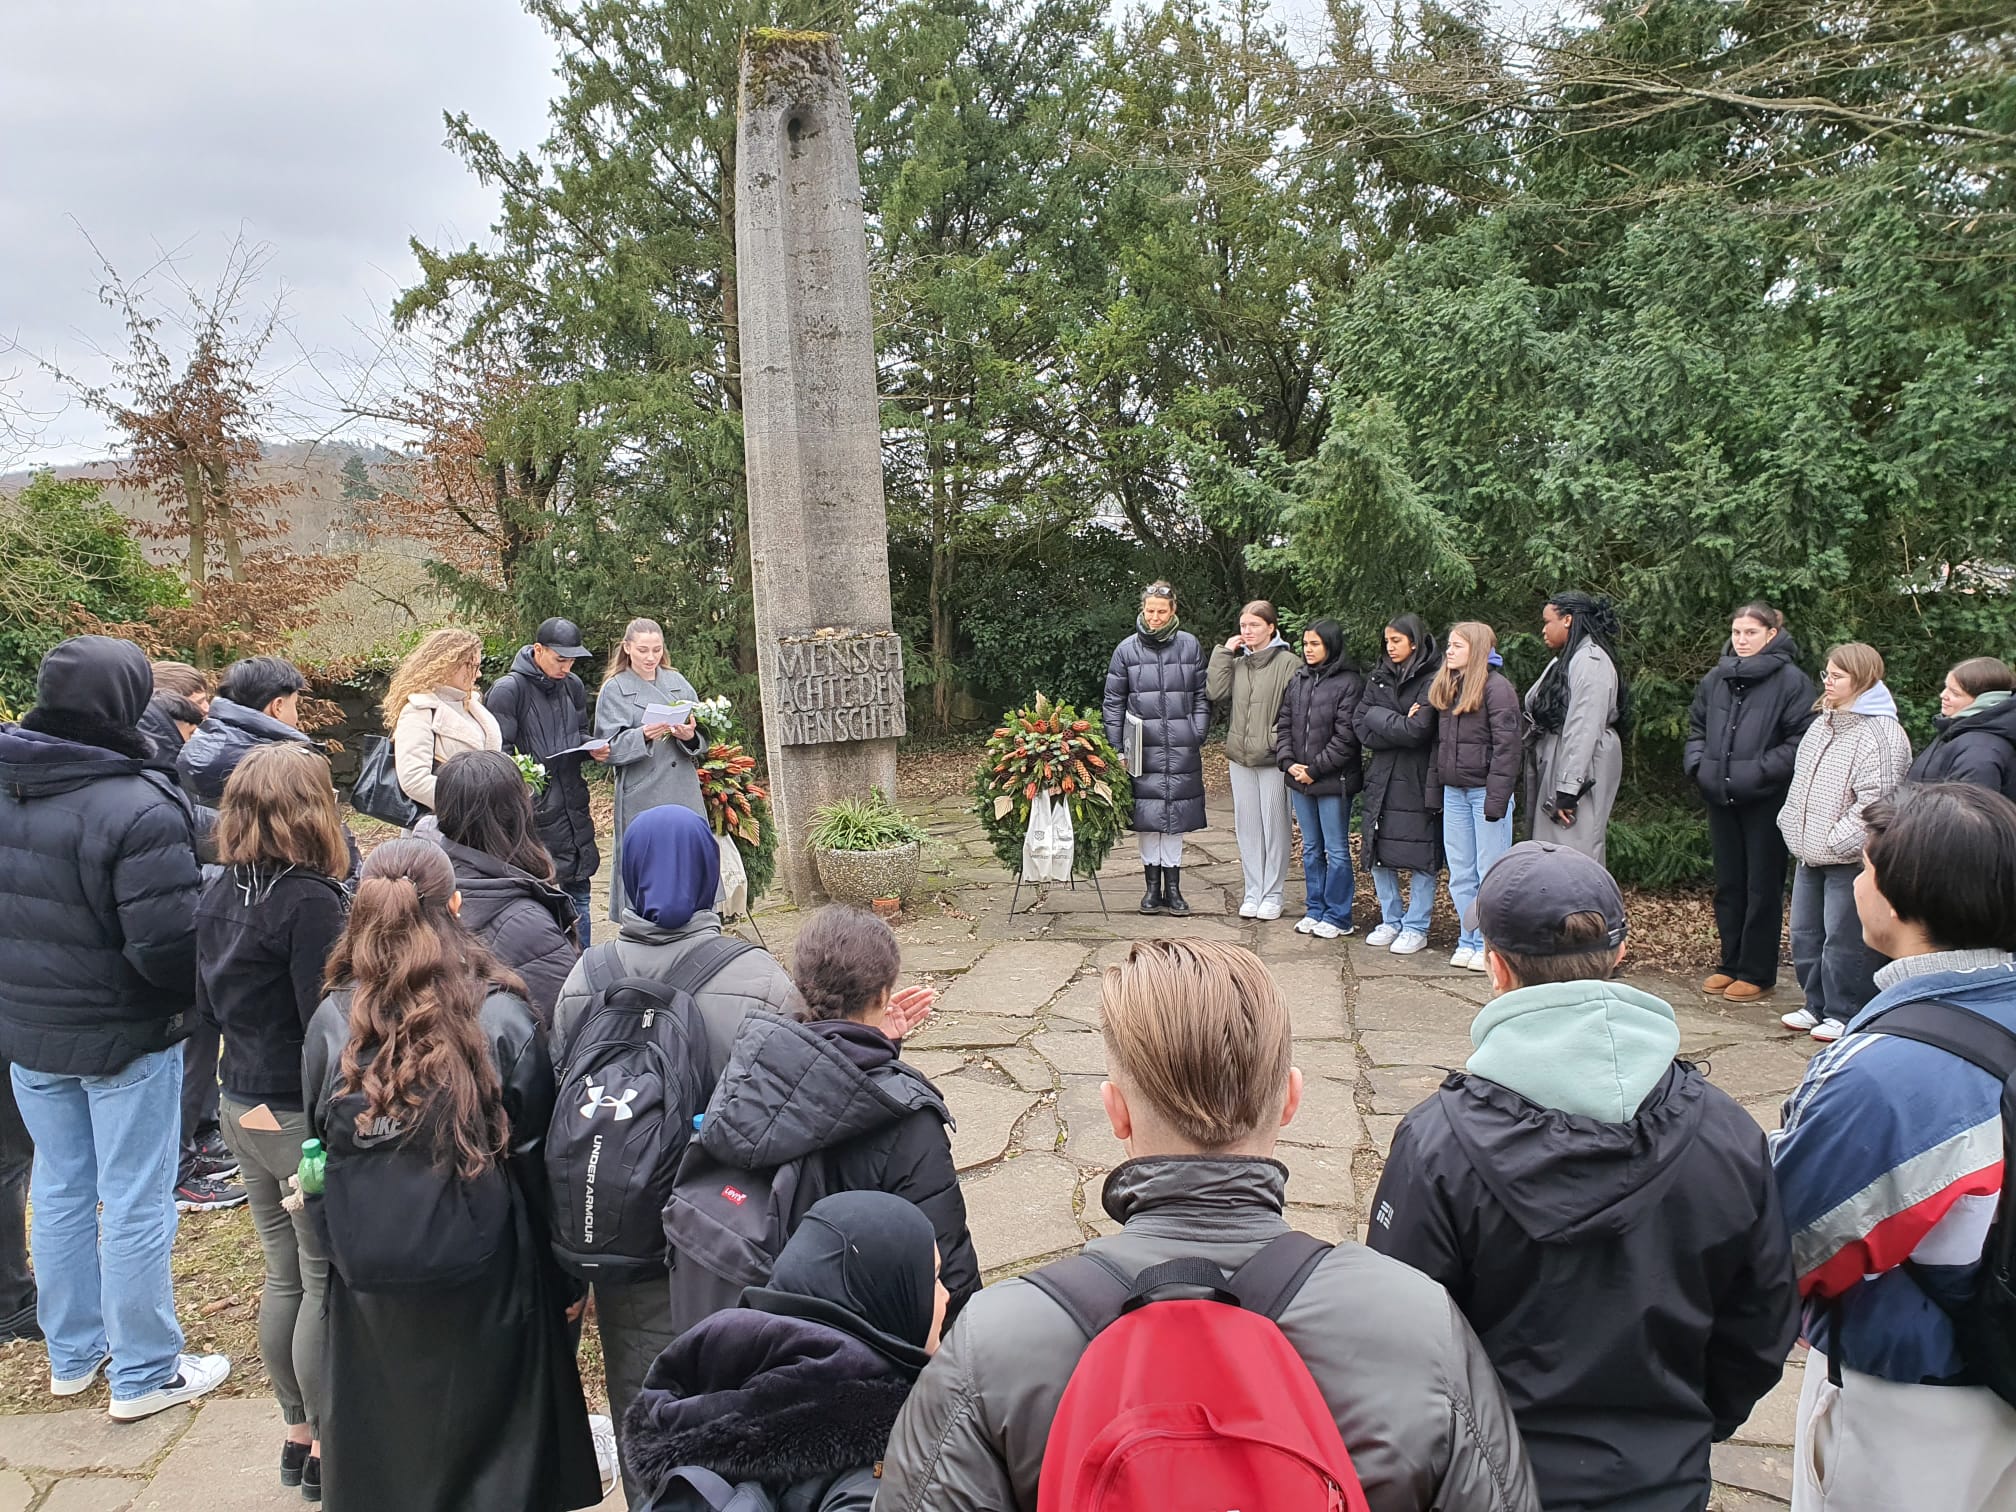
(1462, 692)
(416, 1052)
(842, 960)
(619, 659)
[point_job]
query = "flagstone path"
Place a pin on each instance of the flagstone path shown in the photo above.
(1014, 1043)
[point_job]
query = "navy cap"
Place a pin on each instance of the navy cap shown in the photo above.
(563, 638)
(1532, 888)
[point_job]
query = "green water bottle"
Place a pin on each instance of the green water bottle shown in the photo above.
(314, 1161)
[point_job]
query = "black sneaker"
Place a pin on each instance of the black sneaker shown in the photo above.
(293, 1460)
(211, 1156)
(311, 1479)
(206, 1194)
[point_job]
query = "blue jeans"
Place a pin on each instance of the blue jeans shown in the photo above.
(1420, 899)
(579, 891)
(1327, 882)
(1837, 971)
(105, 1281)
(1473, 843)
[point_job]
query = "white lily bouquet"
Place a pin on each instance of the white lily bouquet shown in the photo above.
(533, 771)
(714, 716)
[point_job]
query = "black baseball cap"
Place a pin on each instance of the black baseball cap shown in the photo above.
(1532, 888)
(563, 638)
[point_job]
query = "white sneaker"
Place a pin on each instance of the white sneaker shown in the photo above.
(1829, 1030)
(1326, 931)
(1308, 924)
(1248, 909)
(1801, 1019)
(1383, 934)
(1478, 963)
(1461, 959)
(67, 1386)
(197, 1375)
(603, 1431)
(1411, 942)
(1268, 910)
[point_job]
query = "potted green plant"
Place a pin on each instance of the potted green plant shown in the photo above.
(864, 849)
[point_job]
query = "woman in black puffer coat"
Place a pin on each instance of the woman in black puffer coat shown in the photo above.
(1396, 723)
(1157, 675)
(1743, 735)
(1316, 746)
(1977, 729)
(796, 1390)
(509, 899)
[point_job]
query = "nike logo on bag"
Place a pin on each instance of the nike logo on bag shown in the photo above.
(621, 1104)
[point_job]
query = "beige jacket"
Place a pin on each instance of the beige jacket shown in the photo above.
(433, 727)
(1848, 758)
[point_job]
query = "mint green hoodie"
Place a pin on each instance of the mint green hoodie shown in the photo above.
(1595, 1049)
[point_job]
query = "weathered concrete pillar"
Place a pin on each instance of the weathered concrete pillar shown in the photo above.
(832, 669)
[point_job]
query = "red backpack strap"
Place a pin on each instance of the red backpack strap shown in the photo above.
(1094, 1293)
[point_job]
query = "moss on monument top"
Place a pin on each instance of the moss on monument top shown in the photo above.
(777, 55)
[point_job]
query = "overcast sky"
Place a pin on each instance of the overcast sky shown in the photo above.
(314, 128)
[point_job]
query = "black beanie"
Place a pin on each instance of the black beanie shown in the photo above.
(96, 676)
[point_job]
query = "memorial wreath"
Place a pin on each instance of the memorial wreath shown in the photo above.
(1052, 748)
(739, 807)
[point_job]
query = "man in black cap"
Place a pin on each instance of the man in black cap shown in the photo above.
(542, 708)
(1605, 1218)
(98, 886)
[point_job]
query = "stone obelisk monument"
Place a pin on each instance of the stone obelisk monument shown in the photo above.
(831, 666)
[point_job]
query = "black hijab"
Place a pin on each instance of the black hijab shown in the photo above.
(1331, 634)
(860, 1262)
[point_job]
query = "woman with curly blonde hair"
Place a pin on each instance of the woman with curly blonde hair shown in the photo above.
(434, 712)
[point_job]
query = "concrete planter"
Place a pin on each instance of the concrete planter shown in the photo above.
(860, 877)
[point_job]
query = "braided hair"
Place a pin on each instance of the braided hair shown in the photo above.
(1591, 618)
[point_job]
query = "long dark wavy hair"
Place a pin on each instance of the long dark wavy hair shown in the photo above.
(1594, 619)
(417, 980)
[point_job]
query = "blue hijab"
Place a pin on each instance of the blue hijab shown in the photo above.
(671, 866)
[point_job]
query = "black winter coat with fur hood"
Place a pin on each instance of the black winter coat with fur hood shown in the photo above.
(795, 1405)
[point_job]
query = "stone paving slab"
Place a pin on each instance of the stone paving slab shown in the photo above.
(967, 1031)
(115, 1493)
(86, 1438)
(1021, 1210)
(986, 1115)
(16, 1491)
(1014, 978)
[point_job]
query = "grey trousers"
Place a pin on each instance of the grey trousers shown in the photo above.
(1836, 970)
(1260, 824)
(293, 1334)
(635, 1322)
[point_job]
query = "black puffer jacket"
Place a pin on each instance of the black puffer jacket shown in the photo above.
(1639, 1297)
(263, 936)
(1480, 749)
(539, 716)
(794, 1404)
(528, 924)
(1315, 729)
(1162, 685)
(1978, 747)
(212, 754)
(836, 1089)
(1744, 727)
(1400, 830)
(98, 887)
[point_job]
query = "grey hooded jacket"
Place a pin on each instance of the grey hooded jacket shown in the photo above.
(1416, 1400)
(746, 984)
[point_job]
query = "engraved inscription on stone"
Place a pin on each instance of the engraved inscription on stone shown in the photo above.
(839, 687)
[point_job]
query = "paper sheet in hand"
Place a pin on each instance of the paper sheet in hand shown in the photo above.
(671, 714)
(1132, 738)
(586, 748)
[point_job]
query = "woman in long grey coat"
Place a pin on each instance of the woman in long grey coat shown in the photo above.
(1157, 675)
(655, 763)
(1576, 760)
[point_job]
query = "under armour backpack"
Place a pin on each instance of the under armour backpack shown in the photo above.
(631, 1076)
(1189, 1395)
(1984, 1322)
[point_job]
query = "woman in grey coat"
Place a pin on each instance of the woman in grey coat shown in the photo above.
(1575, 713)
(1157, 675)
(655, 763)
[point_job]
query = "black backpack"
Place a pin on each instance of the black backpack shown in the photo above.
(631, 1076)
(1985, 1321)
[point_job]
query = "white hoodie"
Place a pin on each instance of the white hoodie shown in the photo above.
(1848, 758)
